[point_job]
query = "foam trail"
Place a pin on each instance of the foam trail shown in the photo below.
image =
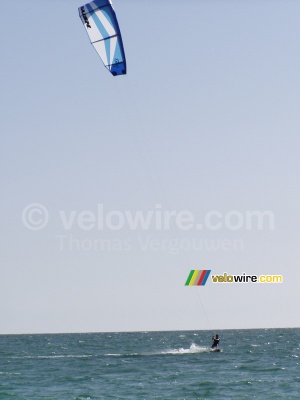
(193, 349)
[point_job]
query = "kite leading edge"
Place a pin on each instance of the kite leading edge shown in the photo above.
(101, 24)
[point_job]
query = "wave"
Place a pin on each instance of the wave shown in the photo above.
(56, 356)
(10, 373)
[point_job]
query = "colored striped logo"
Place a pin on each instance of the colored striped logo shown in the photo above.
(197, 277)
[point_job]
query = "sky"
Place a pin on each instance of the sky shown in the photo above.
(200, 135)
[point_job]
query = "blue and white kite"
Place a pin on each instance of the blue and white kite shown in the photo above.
(101, 24)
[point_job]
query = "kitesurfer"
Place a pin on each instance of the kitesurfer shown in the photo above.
(216, 341)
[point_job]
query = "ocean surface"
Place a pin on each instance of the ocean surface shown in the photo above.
(260, 364)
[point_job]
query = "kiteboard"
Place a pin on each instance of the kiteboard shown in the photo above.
(215, 350)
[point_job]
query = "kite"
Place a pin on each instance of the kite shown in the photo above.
(101, 24)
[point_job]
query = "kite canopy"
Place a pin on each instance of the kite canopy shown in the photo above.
(101, 24)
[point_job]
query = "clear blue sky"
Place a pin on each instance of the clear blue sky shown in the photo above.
(207, 118)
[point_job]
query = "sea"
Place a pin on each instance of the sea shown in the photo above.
(252, 364)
